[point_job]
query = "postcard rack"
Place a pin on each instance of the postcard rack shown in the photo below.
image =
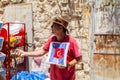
(14, 35)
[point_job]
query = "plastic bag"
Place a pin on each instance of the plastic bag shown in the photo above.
(20, 75)
(24, 75)
(37, 75)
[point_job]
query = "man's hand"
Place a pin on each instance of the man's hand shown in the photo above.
(19, 52)
(61, 67)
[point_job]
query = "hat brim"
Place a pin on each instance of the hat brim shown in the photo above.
(59, 24)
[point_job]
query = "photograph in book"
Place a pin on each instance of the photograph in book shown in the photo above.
(1, 42)
(58, 53)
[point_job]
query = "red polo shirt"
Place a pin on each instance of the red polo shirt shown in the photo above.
(73, 52)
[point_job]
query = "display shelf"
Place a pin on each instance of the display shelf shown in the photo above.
(14, 37)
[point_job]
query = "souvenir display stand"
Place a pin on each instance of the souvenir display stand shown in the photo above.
(14, 35)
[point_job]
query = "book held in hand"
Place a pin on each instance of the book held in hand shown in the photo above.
(58, 53)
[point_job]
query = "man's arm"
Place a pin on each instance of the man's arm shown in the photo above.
(37, 53)
(74, 61)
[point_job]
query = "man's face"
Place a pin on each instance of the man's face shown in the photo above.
(56, 29)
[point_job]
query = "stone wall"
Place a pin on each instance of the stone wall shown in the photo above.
(77, 12)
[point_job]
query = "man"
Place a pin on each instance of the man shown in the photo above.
(58, 72)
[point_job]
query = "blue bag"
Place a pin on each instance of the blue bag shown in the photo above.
(20, 75)
(37, 75)
(25, 75)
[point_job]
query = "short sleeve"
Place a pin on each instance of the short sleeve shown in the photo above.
(47, 44)
(76, 49)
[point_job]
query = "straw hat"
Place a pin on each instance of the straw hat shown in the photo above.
(61, 21)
